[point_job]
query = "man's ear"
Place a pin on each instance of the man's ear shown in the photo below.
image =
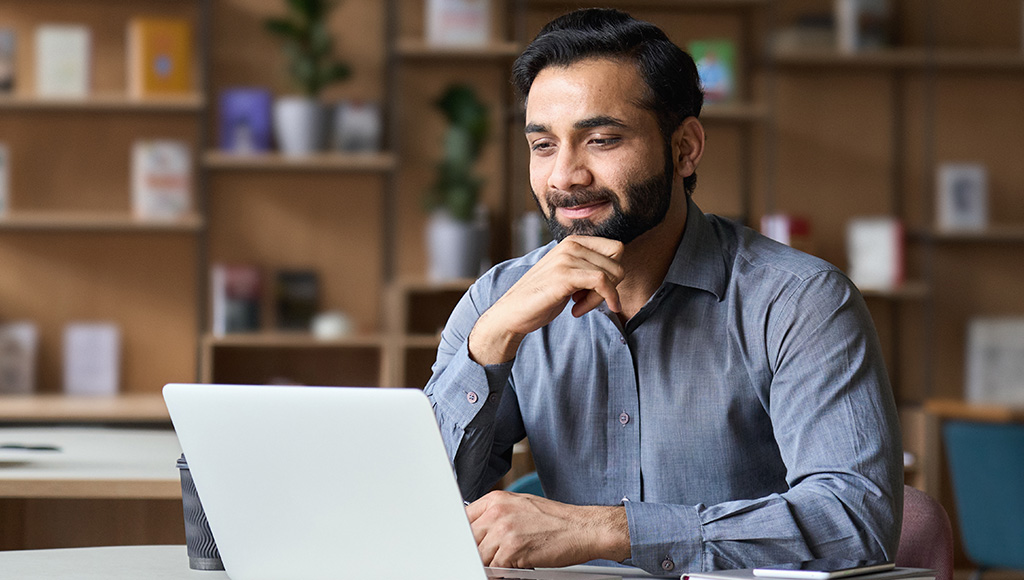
(687, 146)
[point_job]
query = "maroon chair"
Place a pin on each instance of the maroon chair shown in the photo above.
(927, 537)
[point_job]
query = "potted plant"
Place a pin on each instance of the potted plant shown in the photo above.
(299, 121)
(456, 238)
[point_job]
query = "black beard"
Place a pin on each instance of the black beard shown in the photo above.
(649, 201)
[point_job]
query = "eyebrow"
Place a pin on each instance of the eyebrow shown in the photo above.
(588, 123)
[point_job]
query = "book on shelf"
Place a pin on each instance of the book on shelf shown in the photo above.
(19, 347)
(92, 358)
(8, 44)
(161, 179)
(897, 573)
(995, 361)
(716, 66)
(861, 25)
(962, 196)
(357, 127)
(236, 295)
(63, 53)
(296, 299)
(5, 179)
(160, 57)
(244, 122)
(458, 22)
(875, 250)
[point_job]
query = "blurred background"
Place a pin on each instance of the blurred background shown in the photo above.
(298, 191)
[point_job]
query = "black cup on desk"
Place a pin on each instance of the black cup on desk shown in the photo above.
(202, 549)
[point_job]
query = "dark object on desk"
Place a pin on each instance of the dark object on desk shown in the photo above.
(986, 463)
(824, 569)
(202, 548)
(29, 447)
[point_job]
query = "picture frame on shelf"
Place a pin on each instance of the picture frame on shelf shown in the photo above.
(875, 250)
(962, 196)
(995, 361)
(8, 64)
(92, 358)
(458, 22)
(245, 120)
(63, 55)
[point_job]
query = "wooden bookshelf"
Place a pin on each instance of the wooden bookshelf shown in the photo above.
(735, 113)
(911, 290)
(891, 58)
(348, 162)
(993, 234)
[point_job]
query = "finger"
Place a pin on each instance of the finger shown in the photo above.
(595, 257)
(604, 246)
(600, 287)
(477, 508)
(585, 301)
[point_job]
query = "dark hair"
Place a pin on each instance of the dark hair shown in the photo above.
(673, 87)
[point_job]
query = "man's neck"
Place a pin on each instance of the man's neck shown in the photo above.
(647, 260)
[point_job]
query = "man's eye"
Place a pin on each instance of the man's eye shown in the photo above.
(604, 141)
(540, 146)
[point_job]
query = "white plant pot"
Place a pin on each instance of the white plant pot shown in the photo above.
(299, 125)
(455, 249)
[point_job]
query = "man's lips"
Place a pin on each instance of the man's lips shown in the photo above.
(582, 211)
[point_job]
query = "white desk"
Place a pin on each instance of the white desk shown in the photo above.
(91, 463)
(131, 563)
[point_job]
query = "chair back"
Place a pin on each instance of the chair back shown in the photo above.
(926, 540)
(986, 464)
(529, 483)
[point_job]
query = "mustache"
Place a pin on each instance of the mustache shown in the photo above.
(580, 197)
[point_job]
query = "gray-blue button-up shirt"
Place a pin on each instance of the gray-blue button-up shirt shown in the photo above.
(743, 416)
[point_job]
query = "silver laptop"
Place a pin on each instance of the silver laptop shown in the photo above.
(328, 482)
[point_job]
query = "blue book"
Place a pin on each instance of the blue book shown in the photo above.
(245, 120)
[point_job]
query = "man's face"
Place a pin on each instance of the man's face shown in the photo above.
(598, 162)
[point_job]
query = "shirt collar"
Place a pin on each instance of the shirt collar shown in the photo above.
(699, 262)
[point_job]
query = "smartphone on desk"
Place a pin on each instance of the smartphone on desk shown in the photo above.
(824, 569)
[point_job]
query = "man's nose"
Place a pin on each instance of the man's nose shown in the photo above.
(570, 170)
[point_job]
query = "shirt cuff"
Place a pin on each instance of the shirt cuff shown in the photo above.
(664, 538)
(468, 388)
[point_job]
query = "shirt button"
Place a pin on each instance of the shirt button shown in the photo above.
(624, 499)
(668, 565)
(622, 339)
(471, 397)
(624, 418)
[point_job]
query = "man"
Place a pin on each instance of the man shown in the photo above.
(696, 396)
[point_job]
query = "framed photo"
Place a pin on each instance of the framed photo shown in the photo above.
(962, 196)
(995, 361)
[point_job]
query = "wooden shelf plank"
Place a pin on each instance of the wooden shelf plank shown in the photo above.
(734, 113)
(56, 408)
(896, 58)
(115, 103)
(61, 221)
(993, 234)
(420, 285)
(366, 162)
(957, 409)
(291, 340)
(420, 49)
(911, 290)
(979, 60)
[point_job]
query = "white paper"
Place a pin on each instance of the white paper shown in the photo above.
(458, 22)
(92, 359)
(995, 361)
(875, 251)
(19, 346)
(62, 60)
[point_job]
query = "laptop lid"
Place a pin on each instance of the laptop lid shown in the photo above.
(324, 482)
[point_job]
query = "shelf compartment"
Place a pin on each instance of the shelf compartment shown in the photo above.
(895, 58)
(82, 221)
(293, 358)
(112, 103)
(420, 49)
(368, 162)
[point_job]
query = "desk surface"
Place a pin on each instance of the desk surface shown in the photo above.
(957, 409)
(90, 463)
(132, 563)
(140, 408)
